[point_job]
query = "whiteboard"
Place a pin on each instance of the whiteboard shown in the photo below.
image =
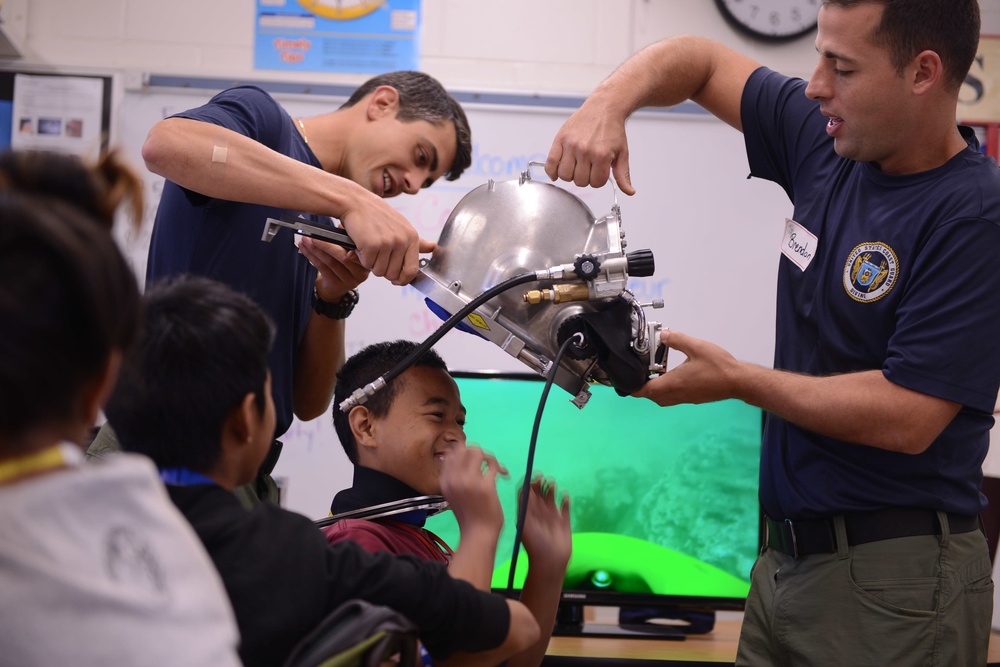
(714, 234)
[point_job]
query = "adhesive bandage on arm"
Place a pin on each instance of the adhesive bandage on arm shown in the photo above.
(220, 153)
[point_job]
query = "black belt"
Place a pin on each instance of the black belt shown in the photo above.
(801, 538)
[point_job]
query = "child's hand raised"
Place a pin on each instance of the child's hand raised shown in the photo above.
(468, 483)
(547, 534)
(548, 541)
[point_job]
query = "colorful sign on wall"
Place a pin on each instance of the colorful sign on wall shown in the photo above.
(355, 36)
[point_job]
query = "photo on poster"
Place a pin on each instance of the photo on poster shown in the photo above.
(50, 126)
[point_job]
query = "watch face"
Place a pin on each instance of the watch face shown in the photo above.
(772, 20)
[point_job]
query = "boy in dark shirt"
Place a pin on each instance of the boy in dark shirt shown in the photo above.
(194, 395)
(408, 440)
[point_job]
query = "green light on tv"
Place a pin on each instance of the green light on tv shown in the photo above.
(600, 579)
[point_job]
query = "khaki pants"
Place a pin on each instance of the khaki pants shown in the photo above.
(924, 600)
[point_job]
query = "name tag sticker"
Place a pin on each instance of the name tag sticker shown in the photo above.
(798, 244)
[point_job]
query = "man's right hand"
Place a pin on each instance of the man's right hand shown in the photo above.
(388, 245)
(589, 147)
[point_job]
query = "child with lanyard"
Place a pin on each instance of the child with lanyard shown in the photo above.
(96, 565)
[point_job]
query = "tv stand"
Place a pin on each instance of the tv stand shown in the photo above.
(570, 623)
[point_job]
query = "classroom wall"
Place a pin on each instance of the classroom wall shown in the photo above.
(561, 47)
(523, 45)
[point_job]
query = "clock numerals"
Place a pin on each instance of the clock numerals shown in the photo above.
(772, 20)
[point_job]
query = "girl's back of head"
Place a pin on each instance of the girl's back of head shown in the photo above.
(98, 189)
(67, 297)
(68, 300)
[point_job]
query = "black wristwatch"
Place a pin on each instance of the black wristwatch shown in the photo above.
(339, 310)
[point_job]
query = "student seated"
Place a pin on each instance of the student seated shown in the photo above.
(99, 190)
(407, 441)
(97, 567)
(195, 396)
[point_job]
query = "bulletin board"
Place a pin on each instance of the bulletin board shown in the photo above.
(64, 111)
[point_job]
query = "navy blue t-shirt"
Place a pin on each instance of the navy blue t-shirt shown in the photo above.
(222, 239)
(901, 274)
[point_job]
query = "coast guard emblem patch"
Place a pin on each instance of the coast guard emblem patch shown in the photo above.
(870, 272)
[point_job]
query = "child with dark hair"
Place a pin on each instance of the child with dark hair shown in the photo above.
(408, 440)
(99, 190)
(195, 395)
(96, 565)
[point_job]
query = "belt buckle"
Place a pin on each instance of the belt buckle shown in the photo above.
(795, 544)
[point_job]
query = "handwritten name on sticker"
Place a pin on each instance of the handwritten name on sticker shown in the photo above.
(798, 244)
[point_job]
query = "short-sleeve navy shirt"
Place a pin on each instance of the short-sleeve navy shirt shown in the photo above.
(222, 239)
(903, 277)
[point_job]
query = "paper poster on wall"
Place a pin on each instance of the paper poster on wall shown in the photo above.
(979, 96)
(57, 113)
(355, 36)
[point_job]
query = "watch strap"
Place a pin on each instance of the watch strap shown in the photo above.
(339, 310)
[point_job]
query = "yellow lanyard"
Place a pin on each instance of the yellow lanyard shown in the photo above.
(49, 458)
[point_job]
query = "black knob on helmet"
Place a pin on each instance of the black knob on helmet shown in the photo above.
(640, 263)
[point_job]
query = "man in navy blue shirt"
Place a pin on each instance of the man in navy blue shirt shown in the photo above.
(886, 365)
(241, 158)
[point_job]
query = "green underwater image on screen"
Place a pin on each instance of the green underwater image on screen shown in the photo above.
(663, 500)
(609, 562)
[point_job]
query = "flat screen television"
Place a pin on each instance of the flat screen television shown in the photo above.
(663, 500)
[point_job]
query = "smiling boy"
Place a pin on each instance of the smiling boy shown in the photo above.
(408, 440)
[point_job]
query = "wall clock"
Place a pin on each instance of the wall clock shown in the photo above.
(771, 20)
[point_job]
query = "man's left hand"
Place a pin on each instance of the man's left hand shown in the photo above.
(705, 376)
(339, 268)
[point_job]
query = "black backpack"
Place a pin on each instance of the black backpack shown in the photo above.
(358, 634)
